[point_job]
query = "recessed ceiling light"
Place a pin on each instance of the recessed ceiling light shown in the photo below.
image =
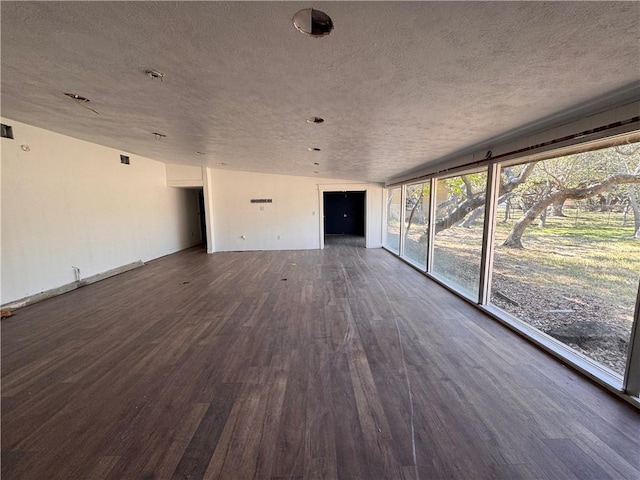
(313, 23)
(315, 120)
(200, 153)
(314, 149)
(223, 164)
(159, 136)
(316, 163)
(315, 171)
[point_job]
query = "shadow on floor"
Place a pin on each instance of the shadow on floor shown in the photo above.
(344, 241)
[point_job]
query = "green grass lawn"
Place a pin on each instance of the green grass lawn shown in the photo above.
(591, 253)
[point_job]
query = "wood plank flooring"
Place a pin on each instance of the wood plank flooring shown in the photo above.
(336, 364)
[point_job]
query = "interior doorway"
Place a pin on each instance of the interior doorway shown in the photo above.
(203, 218)
(344, 217)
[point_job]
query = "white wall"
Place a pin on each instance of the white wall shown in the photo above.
(68, 203)
(183, 175)
(294, 216)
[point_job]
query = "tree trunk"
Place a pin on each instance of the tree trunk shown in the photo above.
(543, 219)
(633, 203)
(459, 213)
(472, 218)
(556, 209)
(507, 210)
(470, 204)
(467, 186)
(514, 239)
(413, 211)
(467, 222)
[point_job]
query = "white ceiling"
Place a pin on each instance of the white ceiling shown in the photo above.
(400, 85)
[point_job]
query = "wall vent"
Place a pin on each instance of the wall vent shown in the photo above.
(124, 159)
(7, 131)
(261, 200)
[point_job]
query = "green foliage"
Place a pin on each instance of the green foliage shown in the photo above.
(455, 186)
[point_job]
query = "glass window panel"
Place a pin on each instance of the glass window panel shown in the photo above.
(457, 246)
(568, 262)
(392, 234)
(416, 224)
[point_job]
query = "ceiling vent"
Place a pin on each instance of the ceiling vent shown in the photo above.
(313, 23)
(7, 131)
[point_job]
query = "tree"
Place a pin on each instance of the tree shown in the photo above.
(414, 196)
(557, 209)
(514, 239)
(471, 201)
(632, 193)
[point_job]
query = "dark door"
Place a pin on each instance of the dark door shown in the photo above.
(203, 220)
(344, 213)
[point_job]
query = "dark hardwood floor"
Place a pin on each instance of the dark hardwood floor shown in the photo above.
(336, 364)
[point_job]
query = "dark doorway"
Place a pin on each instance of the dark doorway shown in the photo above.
(203, 220)
(344, 213)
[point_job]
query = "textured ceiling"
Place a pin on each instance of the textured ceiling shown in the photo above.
(399, 84)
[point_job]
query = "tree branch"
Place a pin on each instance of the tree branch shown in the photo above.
(514, 239)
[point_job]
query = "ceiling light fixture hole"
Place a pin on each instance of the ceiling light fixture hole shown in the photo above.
(314, 149)
(314, 23)
(154, 74)
(77, 97)
(315, 120)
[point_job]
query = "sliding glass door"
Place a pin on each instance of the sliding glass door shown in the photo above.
(416, 224)
(393, 220)
(567, 250)
(458, 227)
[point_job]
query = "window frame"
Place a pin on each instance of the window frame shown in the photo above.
(627, 387)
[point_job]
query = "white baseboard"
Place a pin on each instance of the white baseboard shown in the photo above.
(38, 297)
